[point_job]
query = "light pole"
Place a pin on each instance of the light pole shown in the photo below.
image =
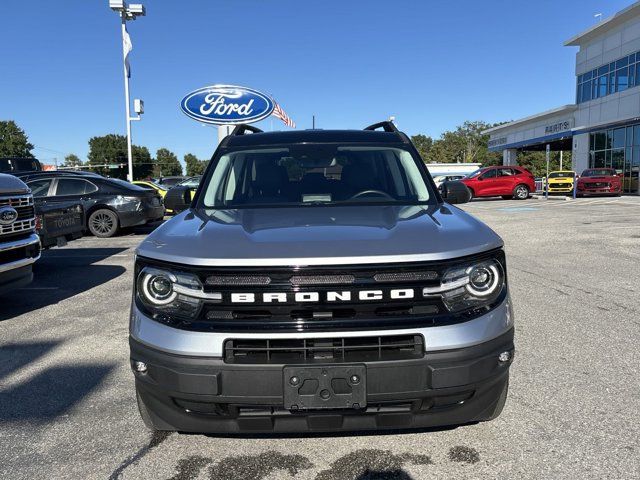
(127, 12)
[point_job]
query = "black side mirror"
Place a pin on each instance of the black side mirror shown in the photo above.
(178, 199)
(455, 192)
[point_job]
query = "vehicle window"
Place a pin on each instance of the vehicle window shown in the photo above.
(598, 172)
(5, 165)
(73, 186)
(116, 182)
(489, 174)
(506, 172)
(40, 188)
(474, 174)
(315, 174)
(190, 183)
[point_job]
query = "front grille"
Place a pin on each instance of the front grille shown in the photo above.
(23, 204)
(596, 185)
(322, 298)
(324, 350)
(559, 185)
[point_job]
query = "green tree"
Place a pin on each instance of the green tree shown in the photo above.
(72, 160)
(423, 144)
(112, 150)
(194, 166)
(465, 144)
(167, 163)
(13, 141)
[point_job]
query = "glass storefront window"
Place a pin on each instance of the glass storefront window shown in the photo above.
(614, 77)
(618, 138)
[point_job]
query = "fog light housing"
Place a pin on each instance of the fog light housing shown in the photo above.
(140, 367)
(504, 357)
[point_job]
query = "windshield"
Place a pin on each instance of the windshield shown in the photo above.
(475, 174)
(315, 175)
(560, 174)
(125, 184)
(598, 172)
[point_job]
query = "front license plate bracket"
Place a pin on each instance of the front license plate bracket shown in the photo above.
(325, 387)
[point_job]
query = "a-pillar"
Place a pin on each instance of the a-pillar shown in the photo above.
(509, 156)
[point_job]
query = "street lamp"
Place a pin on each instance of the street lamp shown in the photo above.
(128, 12)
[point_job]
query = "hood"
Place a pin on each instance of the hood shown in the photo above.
(319, 236)
(12, 185)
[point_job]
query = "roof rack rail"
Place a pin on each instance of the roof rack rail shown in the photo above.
(387, 126)
(242, 128)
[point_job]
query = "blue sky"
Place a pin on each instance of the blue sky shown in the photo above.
(349, 62)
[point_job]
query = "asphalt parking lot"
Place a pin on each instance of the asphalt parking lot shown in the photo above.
(68, 410)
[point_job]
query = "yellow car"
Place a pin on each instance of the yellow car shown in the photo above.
(561, 181)
(153, 186)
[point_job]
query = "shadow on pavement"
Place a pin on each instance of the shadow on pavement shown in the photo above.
(58, 275)
(51, 393)
(14, 356)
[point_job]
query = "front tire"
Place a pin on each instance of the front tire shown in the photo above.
(521, 192)
(103, 223)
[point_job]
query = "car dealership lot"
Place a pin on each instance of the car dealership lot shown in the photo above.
(67, 404)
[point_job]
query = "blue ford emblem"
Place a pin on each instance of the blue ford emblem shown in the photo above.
(227, 104)
(8, 215)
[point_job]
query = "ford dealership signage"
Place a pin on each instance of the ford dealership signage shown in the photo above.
(227, 105)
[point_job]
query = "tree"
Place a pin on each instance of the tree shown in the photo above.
(466, 144)
(194, 166)
(72, 160)
(423, 144)
(13, 141)
(167, 163)
(112, 150)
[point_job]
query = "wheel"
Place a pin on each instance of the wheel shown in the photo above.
(103, 223)
(521, 192)
(501, 402)
(471, 193)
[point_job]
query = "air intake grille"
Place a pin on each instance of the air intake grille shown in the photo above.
(23, 204)
(324, 350)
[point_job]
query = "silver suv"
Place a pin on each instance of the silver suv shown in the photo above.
(318, 281)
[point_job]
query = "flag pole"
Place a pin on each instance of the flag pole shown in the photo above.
(126, 95)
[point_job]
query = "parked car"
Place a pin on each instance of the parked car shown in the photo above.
(175, 198)
(159, 189)
(599, 181)
(109, 203)
(501, 181)
(319, 282)
(18, 164)
(440, 179)
(561, 181)
(19, 243)
(169, 182)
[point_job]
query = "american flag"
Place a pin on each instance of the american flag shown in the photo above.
(279, 112)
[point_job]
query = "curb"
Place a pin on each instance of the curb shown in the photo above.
(551, 197)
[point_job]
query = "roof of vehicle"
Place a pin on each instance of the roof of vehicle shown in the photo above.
(11, 184)
(314, 136)
(57, 173)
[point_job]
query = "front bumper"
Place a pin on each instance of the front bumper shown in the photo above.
(189, 387)
(19, 257)
(196, 394)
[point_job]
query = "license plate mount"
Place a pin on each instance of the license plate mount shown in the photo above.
(325, 387)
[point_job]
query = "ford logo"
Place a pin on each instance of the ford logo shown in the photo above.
(227, 105)
(8, 215)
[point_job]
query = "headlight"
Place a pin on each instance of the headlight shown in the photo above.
(474, 285)
(169, 293)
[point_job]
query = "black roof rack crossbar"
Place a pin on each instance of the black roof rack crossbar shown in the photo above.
(387, 126)
(241, 129)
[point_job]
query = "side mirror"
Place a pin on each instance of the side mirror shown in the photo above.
(178, 199)
(455, 192)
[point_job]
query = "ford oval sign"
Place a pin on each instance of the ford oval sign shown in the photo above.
(227, 105)
(8, 215)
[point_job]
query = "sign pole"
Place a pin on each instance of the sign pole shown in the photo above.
(126, 98)
(546, 192)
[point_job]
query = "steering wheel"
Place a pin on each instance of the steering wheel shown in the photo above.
(365, 193)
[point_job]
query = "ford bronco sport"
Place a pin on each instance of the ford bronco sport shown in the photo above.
(319, 282)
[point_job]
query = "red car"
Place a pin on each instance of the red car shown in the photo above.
(599, 181)
(503, 181)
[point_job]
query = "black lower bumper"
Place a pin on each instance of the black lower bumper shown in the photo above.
(140, 217)
(196, 394)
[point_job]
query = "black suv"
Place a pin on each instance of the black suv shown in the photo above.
(13, 165)
(109, 203)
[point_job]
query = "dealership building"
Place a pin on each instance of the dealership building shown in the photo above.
(602, 127)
